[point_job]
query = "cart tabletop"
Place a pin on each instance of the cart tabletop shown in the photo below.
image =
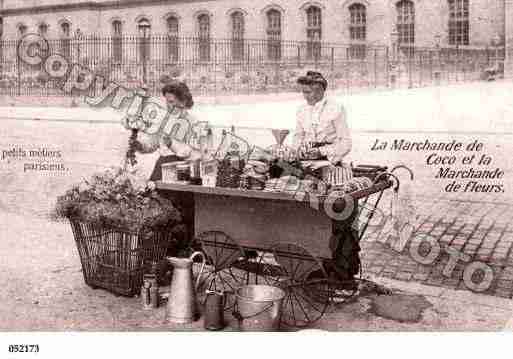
(269, 195)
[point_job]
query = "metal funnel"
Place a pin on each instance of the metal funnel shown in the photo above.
(280, 135)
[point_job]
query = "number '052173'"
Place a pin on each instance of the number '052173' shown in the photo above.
(23, 348)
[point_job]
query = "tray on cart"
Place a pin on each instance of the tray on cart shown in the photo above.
(282, 196)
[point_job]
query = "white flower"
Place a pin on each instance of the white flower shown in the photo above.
(82, 187)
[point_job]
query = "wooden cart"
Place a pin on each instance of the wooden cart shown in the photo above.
(296, 229)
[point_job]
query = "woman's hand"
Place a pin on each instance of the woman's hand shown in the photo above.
(134, 144)
(313, 153)
(194, 155)
(167, 141)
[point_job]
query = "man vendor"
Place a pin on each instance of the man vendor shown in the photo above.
(322, 133)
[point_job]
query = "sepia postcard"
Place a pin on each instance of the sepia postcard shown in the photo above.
(247, 166)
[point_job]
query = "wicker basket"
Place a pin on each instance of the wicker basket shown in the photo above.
(114, 259)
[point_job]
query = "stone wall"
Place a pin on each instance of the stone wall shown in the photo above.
(486, 18)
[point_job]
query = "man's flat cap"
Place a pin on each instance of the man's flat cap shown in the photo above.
(313, 77)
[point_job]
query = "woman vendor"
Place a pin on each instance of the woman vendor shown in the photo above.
(179, 101)
(322, 133)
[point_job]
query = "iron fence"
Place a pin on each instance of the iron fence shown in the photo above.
(229, 66)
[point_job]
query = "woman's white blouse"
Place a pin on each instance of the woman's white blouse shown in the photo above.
(324, 122)
(167, 145)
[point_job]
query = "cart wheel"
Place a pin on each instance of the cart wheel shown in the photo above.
(306, 283)
(221, 252)
(266, 270)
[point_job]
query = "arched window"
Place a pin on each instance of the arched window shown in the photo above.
(117, 41)
(42, 29)
(173, 44)
(237, 22)
(144, 39)
(459, 22)
(405, 22)
(357, 30)
(204, 37)
(66, 29)
(144, 28)
(358, 25)
(273, 34)
(313, 32)
(66, 39)
(22, 29)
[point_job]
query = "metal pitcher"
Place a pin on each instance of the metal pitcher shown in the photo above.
(181, 306)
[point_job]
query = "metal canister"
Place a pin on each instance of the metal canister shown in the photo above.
(183, 172)
(196, 165)
(322, 188)
(150, 292)
(214, 310)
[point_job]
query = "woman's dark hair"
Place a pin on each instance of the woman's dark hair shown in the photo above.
(181, 91)
(313, 78)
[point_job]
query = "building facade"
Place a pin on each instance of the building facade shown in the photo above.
(247, 44)
(422, 23)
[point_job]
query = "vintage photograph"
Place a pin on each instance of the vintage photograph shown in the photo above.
(249, 166)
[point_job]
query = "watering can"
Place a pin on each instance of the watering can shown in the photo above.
(181, 306)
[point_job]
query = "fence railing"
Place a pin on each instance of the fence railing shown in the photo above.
(228, 66)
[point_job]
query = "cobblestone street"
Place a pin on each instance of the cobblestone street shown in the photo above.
(480, 230)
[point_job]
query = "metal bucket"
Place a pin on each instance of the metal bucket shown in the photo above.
(258, 307)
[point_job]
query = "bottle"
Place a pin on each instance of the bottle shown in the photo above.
(210, 140)
(207, 145)
(150, 292)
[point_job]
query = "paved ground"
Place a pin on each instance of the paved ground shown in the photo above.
(43, 290)
(481, 230)
(41, 277)
(479, 224)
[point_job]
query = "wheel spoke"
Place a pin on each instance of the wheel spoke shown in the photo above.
(220, 249)
(239, 278)
(221, 260)
(205, 280)
(291, 265)
(288, 299)
(226, 282)
(292, 306)
(298, 264)
(216, 250)
(294, 270)
(301, 306)
(306, 299)
(310, 269)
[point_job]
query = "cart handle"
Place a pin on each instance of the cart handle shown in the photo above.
(388, 174)
(406, 168)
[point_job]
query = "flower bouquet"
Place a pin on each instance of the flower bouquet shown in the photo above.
(120, 224)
